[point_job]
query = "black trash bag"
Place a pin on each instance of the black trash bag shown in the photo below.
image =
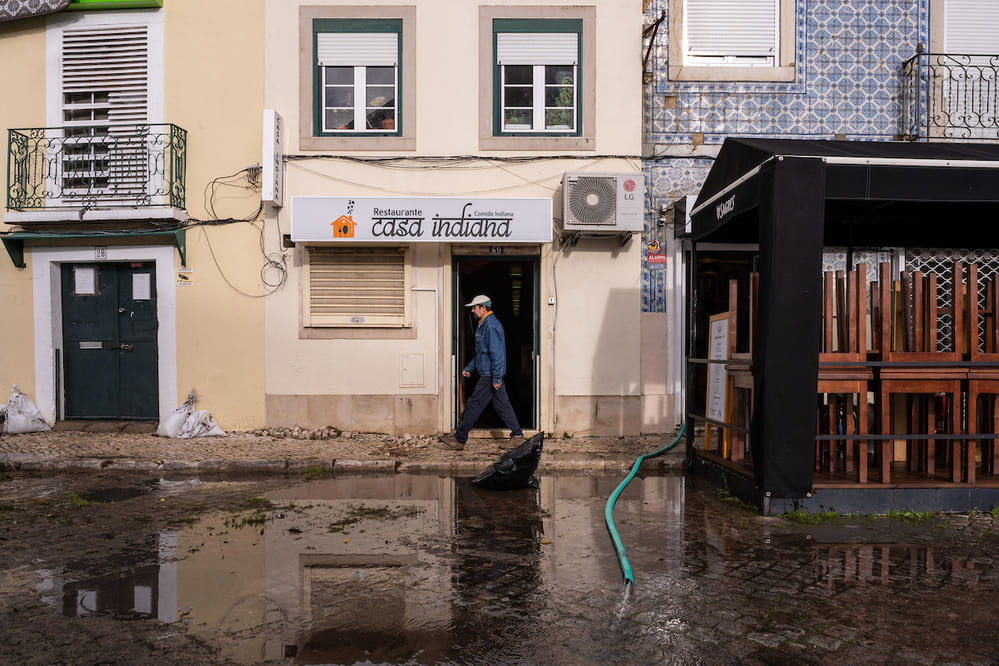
(515, 469)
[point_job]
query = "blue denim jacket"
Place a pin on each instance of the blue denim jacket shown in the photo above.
(490, 349)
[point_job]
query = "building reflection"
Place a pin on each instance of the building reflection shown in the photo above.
(428, 569)
(405, 568)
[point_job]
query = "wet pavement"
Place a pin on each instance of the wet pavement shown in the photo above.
(426, 568)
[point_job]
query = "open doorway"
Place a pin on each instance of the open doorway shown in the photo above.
(512, 284)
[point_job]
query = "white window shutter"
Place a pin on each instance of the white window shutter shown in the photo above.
(111, 60)
(971, 27)
(537, 48)
(731, 27)
(357, 286)
(357, 49)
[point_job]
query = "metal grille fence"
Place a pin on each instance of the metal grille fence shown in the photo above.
(939, 262)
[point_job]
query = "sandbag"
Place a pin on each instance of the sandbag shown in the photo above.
(200, 424)
(22, 415)
(515, 469)
(171, 425)
(186, 422)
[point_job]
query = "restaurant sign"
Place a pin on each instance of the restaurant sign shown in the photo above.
(421, 220)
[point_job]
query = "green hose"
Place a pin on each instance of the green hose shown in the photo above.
(609, 507)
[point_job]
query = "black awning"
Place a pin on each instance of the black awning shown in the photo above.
(793, 197)
(871, 189)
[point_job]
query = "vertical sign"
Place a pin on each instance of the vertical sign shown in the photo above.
(272, 176)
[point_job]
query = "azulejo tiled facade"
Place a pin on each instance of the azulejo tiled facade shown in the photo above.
(847, 59)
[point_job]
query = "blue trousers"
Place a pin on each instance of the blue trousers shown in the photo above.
(477, 403)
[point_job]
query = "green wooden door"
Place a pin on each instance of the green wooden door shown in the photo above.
(109, 341)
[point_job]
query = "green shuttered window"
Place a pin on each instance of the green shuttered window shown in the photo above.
(357, 76)
(537, 76)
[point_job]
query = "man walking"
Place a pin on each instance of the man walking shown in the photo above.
(490, 362)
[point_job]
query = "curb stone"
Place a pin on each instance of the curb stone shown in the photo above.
(298, 466)
(251, 466)
(179, 466)
(209, 466)
(365, 465)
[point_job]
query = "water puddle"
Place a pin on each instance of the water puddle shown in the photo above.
(414, 569)
(112, 494)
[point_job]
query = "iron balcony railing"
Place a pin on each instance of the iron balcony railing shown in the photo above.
(96, 166)
(950, 96)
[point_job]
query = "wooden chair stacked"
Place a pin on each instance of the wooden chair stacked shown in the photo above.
(983, 381)
(843, 380)
(913, 365)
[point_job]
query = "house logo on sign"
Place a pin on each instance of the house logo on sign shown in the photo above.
(343, 226)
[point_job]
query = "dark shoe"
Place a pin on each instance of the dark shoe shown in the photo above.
(510, 444)
(451, 442)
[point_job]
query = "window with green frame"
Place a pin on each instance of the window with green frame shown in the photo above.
(357, 77)
(536, 76)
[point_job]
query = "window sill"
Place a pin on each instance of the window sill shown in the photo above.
(306, 142)
(355, 333)
(523, 142)
(725, 73)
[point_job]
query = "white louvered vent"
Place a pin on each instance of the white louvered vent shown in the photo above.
(105, 94)
(105, 74)
(357, 287)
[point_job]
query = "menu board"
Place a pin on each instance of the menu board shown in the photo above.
(717, 351)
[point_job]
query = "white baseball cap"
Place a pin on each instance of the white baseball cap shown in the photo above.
(481, 299)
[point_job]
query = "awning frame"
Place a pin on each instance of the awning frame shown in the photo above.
(14, 241)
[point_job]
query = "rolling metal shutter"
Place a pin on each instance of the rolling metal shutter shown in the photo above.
(352, 286)
(971, 27)
(730, 27)
(357, 49)
(537, 48)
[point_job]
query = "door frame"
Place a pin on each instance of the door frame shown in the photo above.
(46, 264)
(457, 317)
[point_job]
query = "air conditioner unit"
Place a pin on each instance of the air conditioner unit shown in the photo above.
(601, 203)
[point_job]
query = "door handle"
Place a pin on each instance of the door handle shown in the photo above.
(122, 346)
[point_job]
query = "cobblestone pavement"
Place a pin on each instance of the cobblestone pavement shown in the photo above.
(82, 446)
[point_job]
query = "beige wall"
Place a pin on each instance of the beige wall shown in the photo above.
(214, 90)
(23, 43)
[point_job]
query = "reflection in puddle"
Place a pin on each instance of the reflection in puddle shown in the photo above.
(131, 593)
(839, 567)
(427, 569)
